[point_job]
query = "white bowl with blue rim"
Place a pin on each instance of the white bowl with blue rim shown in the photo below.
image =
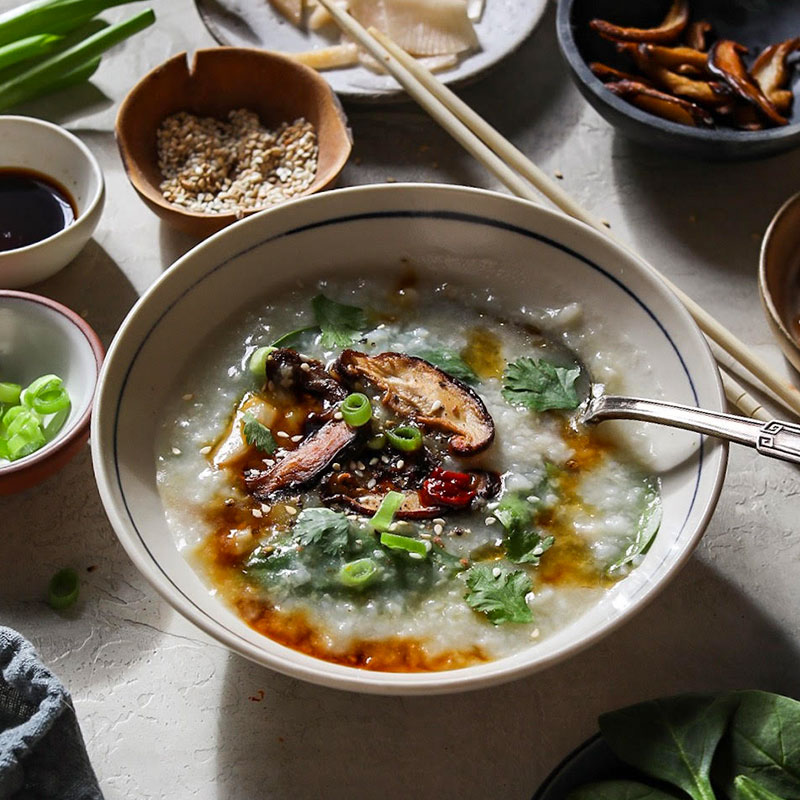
(529, 256)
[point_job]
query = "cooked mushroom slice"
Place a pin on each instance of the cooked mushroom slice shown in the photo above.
(301, 466)
(608, 74)
(725, 60)
(771, 72)
(413, 387)
(675, 57)
(663, 105)
(289, 370)
(646, 58)
(369, 502)
(697, 35)
(668, 31)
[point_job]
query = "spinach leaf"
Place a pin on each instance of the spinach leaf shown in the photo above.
(451, 362)
(672, 740)
(321, 526)
(646, 531)
(619, 790)
(500, 596)
(763, 744)
(540, 385)
(340, 324)
(524, 544)
(747, 789)
(258, 435)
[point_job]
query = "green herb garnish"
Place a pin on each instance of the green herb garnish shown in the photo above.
(382, 518)
(524, 543)
(499, 593)
(450, 362)
(414, 547)
(328, 529)
(283, 339)
(340, 324)
(646, 530)
(540, 385)
(258, 435)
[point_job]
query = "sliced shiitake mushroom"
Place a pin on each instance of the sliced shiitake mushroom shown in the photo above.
(771, 72)
(646, 59)
(725, 60)
(675, 57)
(663, 105)
(292, 371)
(608, 74)
(669, 30)
(697, 35)
(303, 465)
(414, 387)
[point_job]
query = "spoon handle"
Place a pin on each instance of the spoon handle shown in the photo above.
(775, 439)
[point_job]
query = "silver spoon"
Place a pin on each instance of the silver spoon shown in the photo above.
(775, 439)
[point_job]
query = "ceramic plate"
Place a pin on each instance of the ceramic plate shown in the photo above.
(255, 23)
(527, 255)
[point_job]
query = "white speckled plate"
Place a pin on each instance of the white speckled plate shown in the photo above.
(255, 23)
(528, 256)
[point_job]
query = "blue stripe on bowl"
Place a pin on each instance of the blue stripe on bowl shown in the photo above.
(438, 215)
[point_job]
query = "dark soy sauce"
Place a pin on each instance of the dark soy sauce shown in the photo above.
(32, 207)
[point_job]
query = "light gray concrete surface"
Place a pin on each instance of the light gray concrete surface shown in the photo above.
(167, 713)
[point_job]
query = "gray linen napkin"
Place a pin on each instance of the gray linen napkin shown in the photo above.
(42, 754)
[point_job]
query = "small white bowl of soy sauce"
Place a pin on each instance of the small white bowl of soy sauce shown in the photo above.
(51, 198)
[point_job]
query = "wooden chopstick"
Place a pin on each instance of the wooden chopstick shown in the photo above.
(487, 145)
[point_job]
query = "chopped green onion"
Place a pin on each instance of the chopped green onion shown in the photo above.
(414, 547)
(25, 421)
(46, 395)
(407, 438)
(56, 423)
(377, 442)
(23, 444)
(358, 573)
(382, 518)
(63, 589)
(4, 449)
(9, 393)
(12, 413)
(356, 410)
(258, 361)
(38, 79)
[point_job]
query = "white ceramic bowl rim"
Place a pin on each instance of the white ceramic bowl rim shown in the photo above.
(78, 427)
(314, 669)
(96, 198)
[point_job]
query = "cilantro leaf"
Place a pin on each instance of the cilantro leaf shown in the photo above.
(340, 324)
(502, 596)
(321, 526)
(258, 435)
(524, 543)
(540, 385)
(646, 530)
(450, 362)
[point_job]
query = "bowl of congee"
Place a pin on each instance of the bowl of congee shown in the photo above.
(344, 438)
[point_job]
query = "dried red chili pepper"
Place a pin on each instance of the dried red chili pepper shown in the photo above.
(448, 488)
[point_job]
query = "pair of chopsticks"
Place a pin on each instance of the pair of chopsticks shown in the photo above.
(520, 175)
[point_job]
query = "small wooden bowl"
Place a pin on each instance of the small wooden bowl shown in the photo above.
(220, 80)
(779, 278)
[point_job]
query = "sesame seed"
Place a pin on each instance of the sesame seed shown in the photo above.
(265, 508)
(373, 462)
(535, 633)
(188, 396)
(437, 406)
(385, 459)
(176, 451)
(532, 498)
(360, 465)
(497, 572)
(490, 520)
(256, 512)
(205, 450)
(440, 520)
(229, 501)
(437, 529)
(290, 510)
(270, 462)
(282, 434)
(297, 438)
(371, 483)
(424, 536)
(336, 466)
(416, 556)
(305, 367)
(338, 415)
(400, 464)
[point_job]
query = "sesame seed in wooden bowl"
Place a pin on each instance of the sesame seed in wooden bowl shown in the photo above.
(232, 132)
